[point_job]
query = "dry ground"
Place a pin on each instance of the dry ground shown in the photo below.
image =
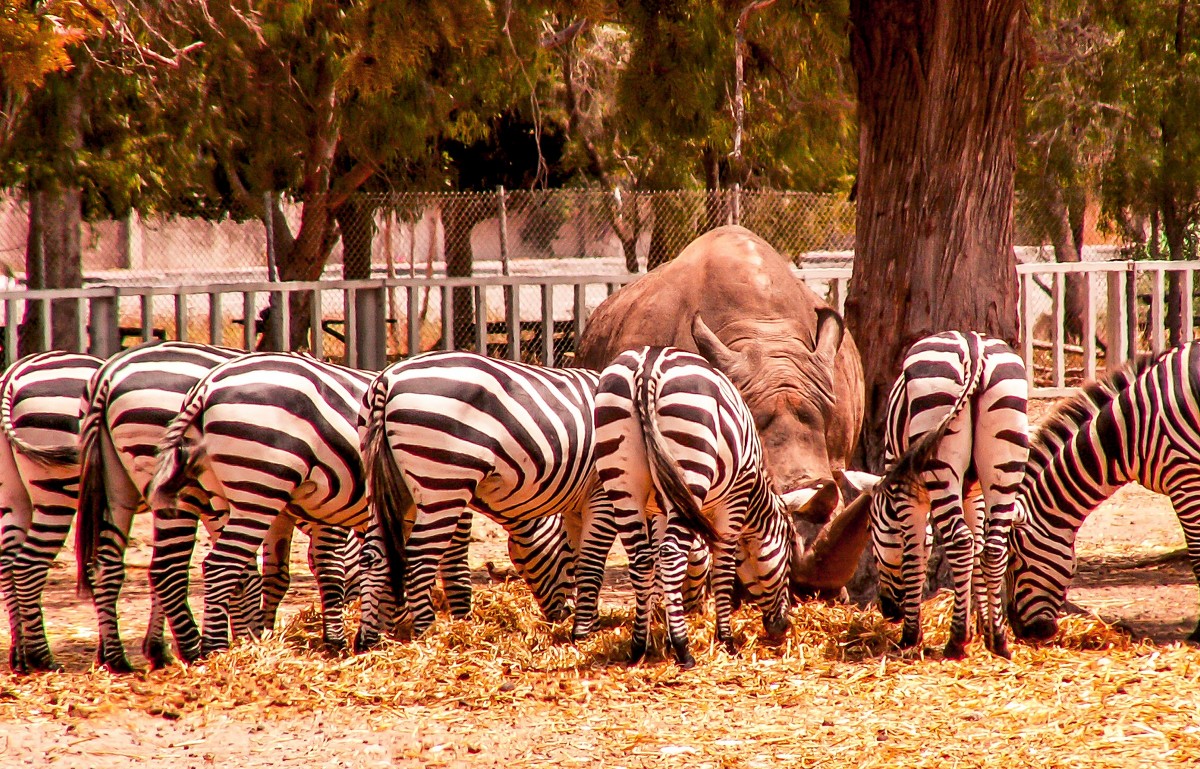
(512, 692)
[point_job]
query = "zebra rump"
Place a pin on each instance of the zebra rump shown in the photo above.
(386, 489)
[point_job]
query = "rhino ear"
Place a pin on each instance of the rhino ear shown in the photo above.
(830, 329)
(714, 350)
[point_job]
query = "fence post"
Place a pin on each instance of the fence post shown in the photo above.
(371, 327)
(503, 215)
(104, 335)
(737, 203)
(1118, 348)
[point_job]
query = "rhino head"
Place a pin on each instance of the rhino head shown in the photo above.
(789, 390)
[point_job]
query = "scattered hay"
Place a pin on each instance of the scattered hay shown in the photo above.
(836, 692)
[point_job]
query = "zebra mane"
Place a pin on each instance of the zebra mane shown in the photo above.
(1070, 414)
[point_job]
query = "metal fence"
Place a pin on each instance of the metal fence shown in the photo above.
(366, 323)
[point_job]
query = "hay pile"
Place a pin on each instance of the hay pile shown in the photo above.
(832, 694)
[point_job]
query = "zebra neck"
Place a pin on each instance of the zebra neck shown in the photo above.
(1066, 480)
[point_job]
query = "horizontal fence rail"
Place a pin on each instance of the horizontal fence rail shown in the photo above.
(1077, 319)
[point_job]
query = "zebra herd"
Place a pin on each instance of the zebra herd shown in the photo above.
(385, 471)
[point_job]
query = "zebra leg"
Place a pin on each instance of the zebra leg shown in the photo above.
(225, 565)
(960, 554)
(174, 540)
(16, 514)
(47, 533)
(672, 566)
(724, 572)
(911, 528)
(431, 534)
(328, 547)
(277, 569)
(695, 585)
(455, 571)
(994, 566)
(107, 580)
(541, 554)
(1185, 498)
(599, 529)
(376, 603)
(352, 557)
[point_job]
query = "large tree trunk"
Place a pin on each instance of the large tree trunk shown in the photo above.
(53, 258)
(939, 89)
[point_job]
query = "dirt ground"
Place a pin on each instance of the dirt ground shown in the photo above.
(1130, 571)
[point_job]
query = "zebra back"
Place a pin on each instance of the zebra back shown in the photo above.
(905, 474)
(47, 415)
(666, 468)
(162, 371)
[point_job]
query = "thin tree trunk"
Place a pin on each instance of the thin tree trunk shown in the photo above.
(53, 256)
(53, 259)
(939, 90)
(1067, 240)
(459, 216)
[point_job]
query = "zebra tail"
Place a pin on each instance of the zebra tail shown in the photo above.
(915, 460)
(177, 456)
(93, 509)
(389, 495)
(45, 455)
(667, 474)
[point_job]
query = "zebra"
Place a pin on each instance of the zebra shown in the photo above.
(446, 432)
(1138, 424)
(266, 436)
(126, 408)
(968, 393)
(39, 481)
(673, 431)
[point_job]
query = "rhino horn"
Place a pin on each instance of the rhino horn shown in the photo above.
(714, 350)
(814, 503)
(830, 561)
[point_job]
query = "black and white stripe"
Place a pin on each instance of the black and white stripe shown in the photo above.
(39, 482)
(673, 432)
(446, 432)
(1139, 424)
(265, 436)
(970, 391)
(127, 407)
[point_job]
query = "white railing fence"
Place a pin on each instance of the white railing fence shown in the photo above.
(1069, 332)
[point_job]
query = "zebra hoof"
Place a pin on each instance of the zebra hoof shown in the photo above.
(16, 661)
(1000, 648)
(118, 665)
(365, 642)
(336, 646)
(955, 650)
(910, 638)
(157, 654)
(728, 645)
(637, 651)
(578, 636)
(683, 656)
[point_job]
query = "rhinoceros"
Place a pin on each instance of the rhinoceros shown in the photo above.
(732, 298)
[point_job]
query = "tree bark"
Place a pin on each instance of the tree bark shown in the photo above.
(460, 214)
(939, 93)
(53, 256)
(53, 259)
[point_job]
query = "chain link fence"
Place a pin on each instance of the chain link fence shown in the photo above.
(429, 236)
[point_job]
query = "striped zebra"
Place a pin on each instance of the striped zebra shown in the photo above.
(673, 432)
(39, 481)
(446, 432)
(1140, 424)
(265, 436)
(968, 393)
(127, 406)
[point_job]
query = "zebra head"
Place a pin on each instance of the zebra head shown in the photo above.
(1036, 583)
